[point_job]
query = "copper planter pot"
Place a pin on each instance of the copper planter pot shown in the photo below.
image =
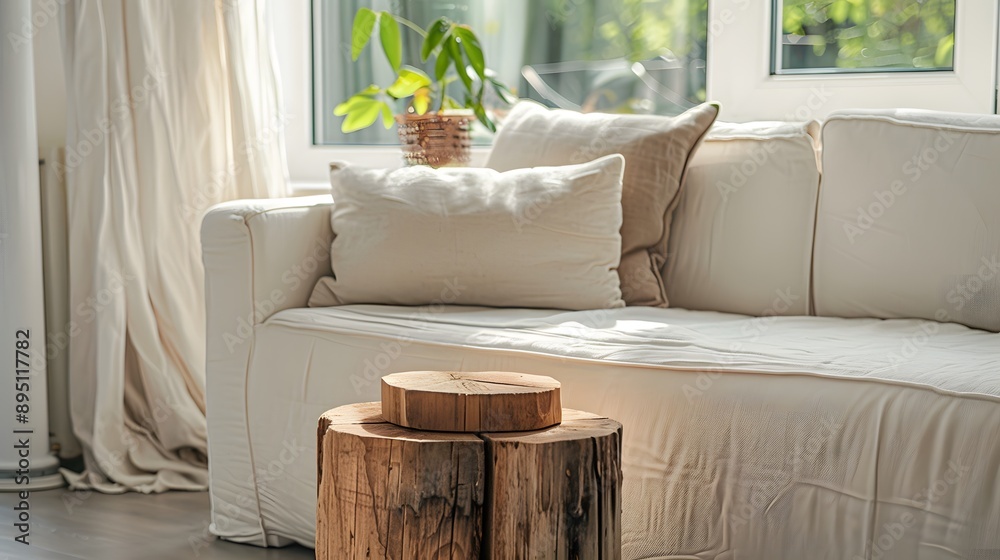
(437, 140)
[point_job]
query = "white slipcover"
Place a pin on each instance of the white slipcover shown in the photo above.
(761, 438)
(741, 239)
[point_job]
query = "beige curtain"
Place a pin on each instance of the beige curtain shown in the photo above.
(173, 107)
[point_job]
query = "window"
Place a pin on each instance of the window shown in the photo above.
(645, 56)
(804, 59)
(819, 36)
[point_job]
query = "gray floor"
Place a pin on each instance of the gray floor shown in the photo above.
(72, 525)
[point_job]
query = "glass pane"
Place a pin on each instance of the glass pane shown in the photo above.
(864, 35)
(644, 56)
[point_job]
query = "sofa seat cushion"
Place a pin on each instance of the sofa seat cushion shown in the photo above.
(945, 357)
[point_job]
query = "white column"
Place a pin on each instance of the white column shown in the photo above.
(25, 461)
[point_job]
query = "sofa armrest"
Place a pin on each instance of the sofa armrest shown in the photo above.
(263, 256)
(260, 256)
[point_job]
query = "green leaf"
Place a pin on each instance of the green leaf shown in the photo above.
(361, 113)
(505, 94)
(370, 90)
(350, 104)
(839, 11)
(481, 115)
(387, 119)
(441, 66)
(422, 100)
(473, 50)
(409, 81)
(455, 51)
(364, 24)
(436, 33)
(392, 44)
(944, 55)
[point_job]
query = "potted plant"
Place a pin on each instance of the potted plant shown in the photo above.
(434, 128)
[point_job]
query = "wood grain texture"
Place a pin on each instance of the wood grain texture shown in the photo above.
(555, 494)
(471, 402)
(394, 493)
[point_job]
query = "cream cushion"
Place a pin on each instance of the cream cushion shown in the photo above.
(741, 239)
(546, 237)
(909, 217)
(656, 151)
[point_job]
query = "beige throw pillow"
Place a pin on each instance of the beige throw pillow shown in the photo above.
(656, 149)
(545, 237)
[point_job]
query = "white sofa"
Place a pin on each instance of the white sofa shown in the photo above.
(813, 392)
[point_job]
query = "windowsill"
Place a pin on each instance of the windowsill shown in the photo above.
(389, 157)
(386, 156)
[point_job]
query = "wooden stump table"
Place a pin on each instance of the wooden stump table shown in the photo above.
(393, 492)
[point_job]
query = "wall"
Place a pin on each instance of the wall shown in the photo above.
(50, 83)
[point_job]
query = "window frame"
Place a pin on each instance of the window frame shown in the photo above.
(748, 90)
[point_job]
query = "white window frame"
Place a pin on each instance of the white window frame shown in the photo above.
(739, 76)
(739, 70)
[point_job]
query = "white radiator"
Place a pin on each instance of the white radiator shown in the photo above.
(60, 323)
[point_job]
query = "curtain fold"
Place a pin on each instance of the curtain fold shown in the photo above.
(173, 108)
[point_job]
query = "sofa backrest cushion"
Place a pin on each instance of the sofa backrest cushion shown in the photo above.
(657, 150)
(908, 223)
(742, 234)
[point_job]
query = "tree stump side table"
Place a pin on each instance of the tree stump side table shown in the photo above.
(555, 493)
(390, 492)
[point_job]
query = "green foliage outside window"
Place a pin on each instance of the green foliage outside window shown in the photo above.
(868, 34)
